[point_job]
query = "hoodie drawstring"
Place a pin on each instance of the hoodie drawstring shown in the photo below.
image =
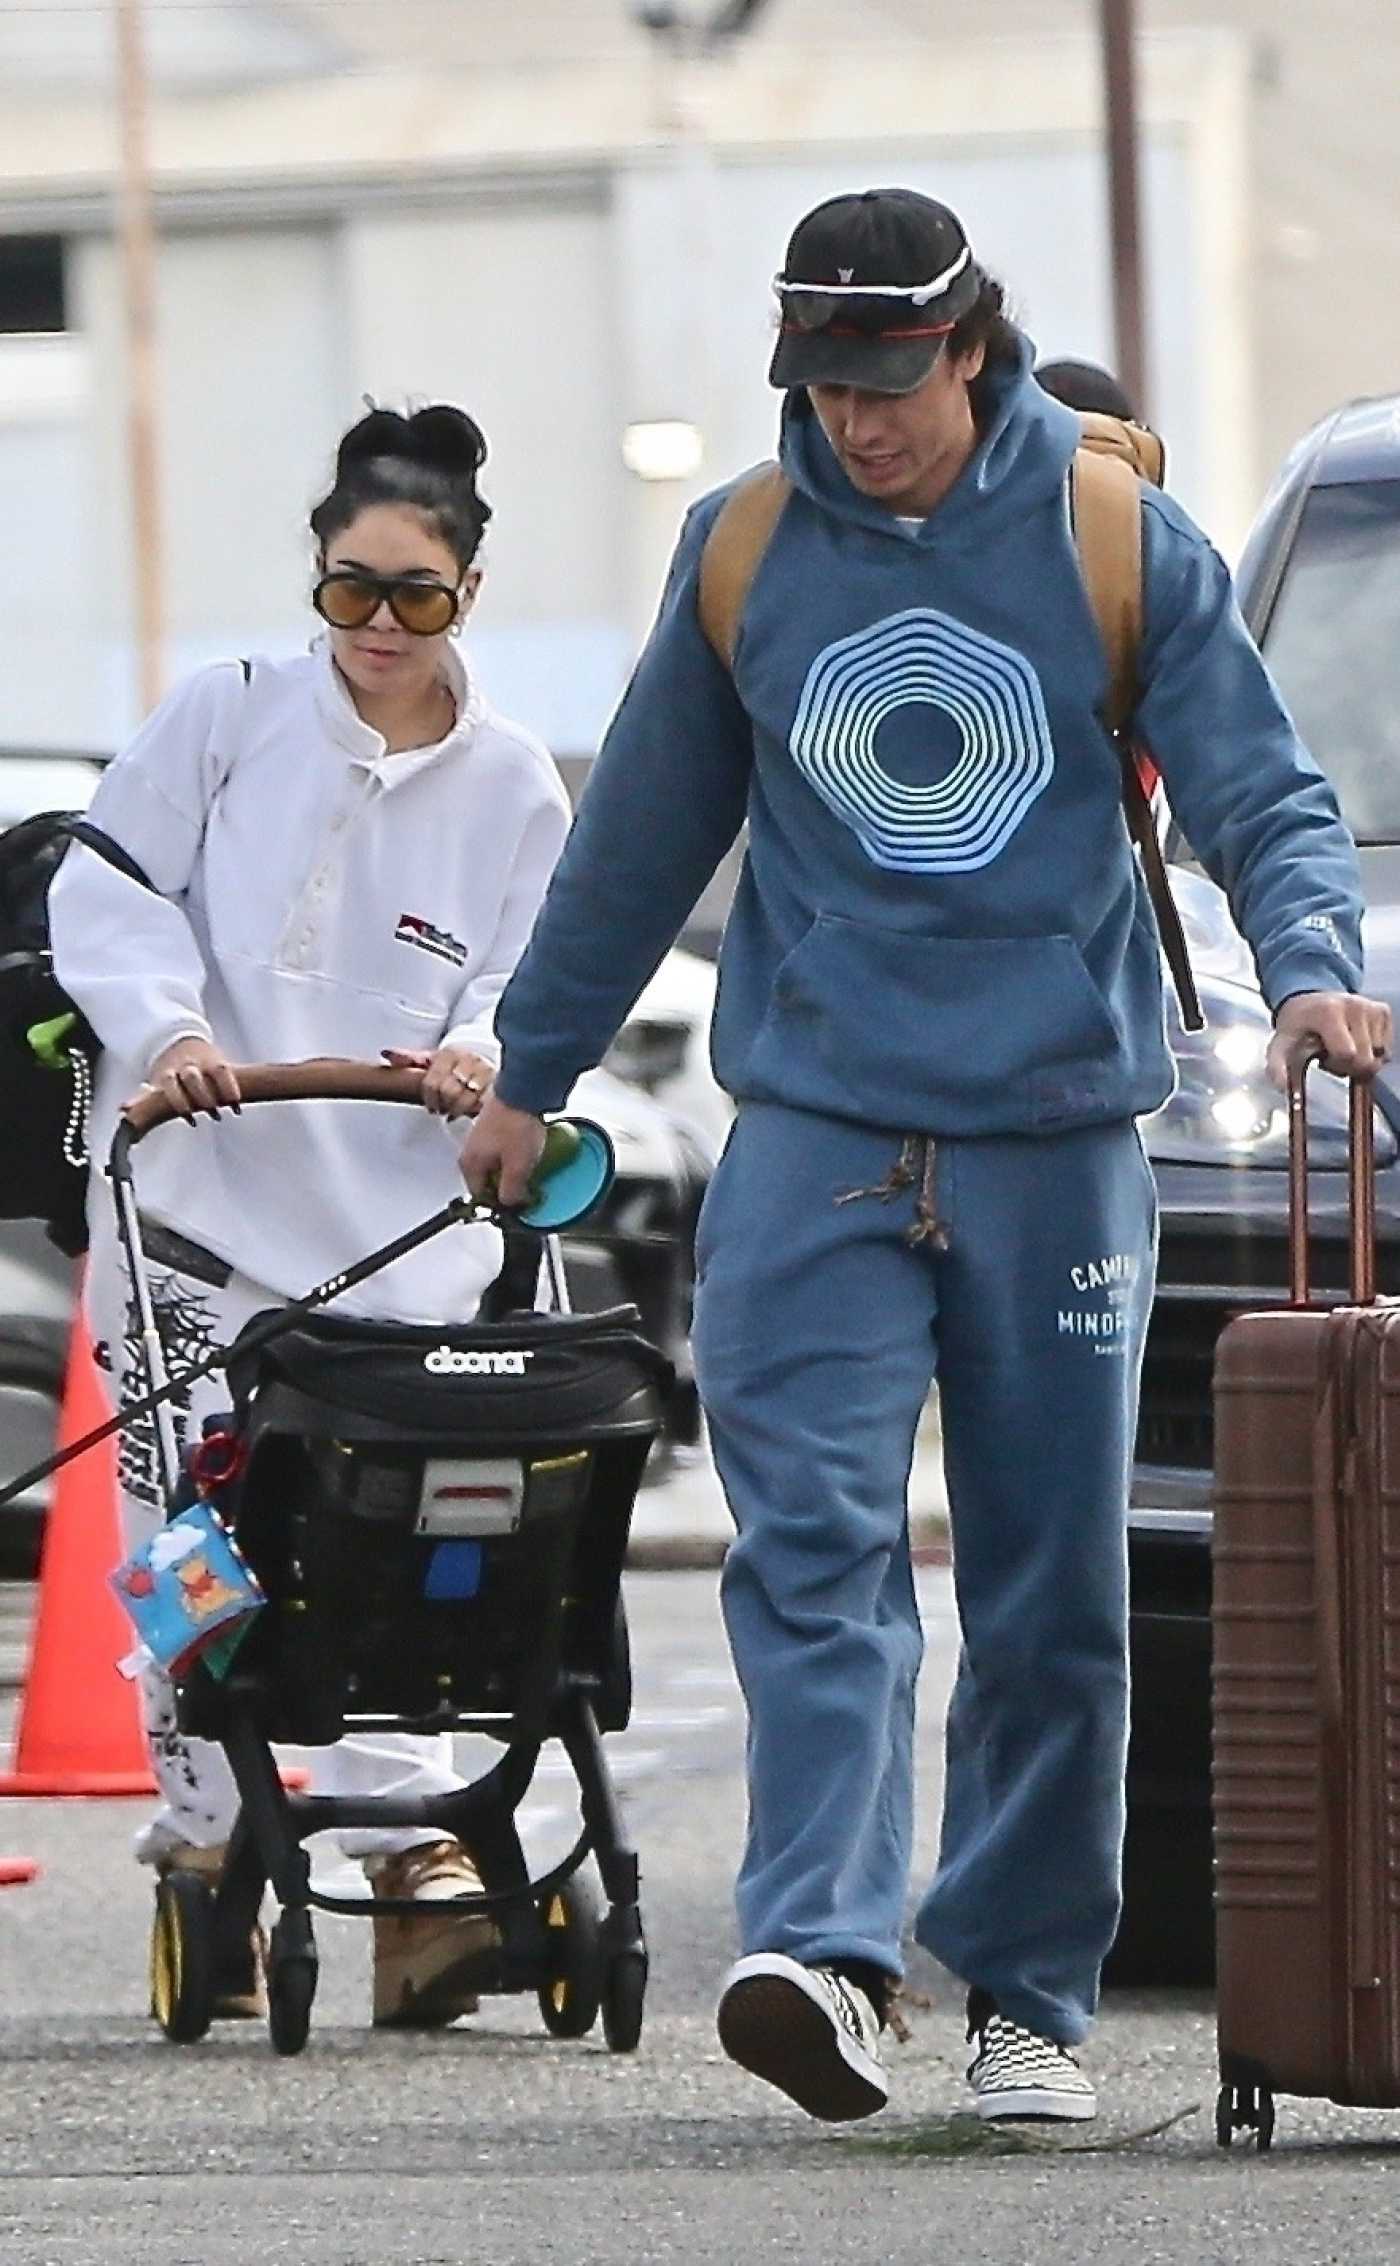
(916, 1164)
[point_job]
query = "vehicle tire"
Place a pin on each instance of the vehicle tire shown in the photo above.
(683, 1420)
(31, 1372)
(569, 2003)
(1166, 1936)
(592, 1277)
(624, 1996)
(182, 1957)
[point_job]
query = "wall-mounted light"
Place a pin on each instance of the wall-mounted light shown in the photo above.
(663, 448)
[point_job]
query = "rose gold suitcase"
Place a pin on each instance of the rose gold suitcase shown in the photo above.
(1306, 1687)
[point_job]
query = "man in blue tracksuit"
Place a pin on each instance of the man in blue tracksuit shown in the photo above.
(940, 1014)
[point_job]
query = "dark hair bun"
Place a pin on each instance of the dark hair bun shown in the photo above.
(428, 461)
(441, 436)
(448, 437)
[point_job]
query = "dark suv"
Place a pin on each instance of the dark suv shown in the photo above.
(1320, 587)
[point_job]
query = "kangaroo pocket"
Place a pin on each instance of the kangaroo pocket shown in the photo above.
(947, 1034)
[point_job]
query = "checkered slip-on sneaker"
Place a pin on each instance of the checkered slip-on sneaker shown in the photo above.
(1014, 2073)
(806, 2030)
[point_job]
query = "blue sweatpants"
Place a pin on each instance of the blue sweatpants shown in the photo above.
(820, 1325)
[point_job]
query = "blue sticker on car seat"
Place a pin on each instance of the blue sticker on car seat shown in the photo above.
(454, 1570)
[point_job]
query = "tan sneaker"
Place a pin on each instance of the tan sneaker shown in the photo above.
(418, 1964)
(244, 1996)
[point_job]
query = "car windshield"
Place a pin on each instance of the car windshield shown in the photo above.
(1333, 644)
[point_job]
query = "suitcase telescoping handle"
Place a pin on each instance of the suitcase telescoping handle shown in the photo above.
(1361, 1187)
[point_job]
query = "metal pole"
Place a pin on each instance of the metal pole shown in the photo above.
(136, 237)
(1120, 107)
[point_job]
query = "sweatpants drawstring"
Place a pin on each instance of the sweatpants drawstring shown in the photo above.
(916, 1164)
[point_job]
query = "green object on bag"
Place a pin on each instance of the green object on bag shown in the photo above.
(562, 1143)
(46, 1040)
(218, 1655)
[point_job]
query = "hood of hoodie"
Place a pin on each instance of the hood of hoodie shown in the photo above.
(1025, 444)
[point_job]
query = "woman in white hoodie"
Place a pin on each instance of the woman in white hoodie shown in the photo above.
(349, 849)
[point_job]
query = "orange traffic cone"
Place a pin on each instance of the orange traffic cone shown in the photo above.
(14, 1871)
(80, 1722)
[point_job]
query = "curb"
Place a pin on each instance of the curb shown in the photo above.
(676, 1554)
(705, 1553)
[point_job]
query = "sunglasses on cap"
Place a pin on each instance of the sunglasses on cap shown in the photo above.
(816, 306)
(349, 598)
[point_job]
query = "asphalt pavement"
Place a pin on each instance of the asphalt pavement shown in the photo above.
(494, 2142)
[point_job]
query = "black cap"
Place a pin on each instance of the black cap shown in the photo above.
(889, 241)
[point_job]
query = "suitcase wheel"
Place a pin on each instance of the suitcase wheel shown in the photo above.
(1244, 2108)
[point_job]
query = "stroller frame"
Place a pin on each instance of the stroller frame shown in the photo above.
(549, 1936)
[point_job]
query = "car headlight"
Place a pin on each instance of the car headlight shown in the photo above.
(1226, 1110)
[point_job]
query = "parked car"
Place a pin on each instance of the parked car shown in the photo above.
(664, 1046)
(640, 1243)
(1319, 583)
(36, 1306)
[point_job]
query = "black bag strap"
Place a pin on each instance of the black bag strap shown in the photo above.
(50, 826)
(1142, 826)
(92, 838)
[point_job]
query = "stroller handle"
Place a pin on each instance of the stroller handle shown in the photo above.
(323, 1078)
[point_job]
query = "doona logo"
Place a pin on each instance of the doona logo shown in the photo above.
(445, 1361)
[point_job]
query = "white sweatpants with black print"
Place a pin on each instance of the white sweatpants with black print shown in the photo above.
(199, 1798)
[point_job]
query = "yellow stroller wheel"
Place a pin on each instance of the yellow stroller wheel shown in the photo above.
(182, 1957)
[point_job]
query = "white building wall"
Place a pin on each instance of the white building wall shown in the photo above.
(511, 310)
(45, 550)
(251, 364)
(560, 303)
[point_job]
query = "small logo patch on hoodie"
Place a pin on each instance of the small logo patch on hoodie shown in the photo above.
(413, 929)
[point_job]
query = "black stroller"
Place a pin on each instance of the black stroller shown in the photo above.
(437, 1517)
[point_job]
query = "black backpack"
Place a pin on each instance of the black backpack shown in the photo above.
(43, 1108)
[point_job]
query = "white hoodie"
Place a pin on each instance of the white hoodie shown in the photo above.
(319, 897)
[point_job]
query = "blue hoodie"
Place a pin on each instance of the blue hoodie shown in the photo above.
(940, 926)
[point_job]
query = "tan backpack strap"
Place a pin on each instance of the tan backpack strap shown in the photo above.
(1106, 507)
(1135, 445)
(734, 551)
